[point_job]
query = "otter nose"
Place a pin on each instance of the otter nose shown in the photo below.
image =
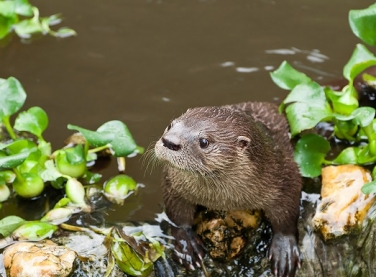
(175, 146)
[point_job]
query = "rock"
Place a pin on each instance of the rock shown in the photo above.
(44, 259)
(224, 233)
(343, 206)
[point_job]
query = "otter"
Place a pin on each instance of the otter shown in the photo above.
(233, 157)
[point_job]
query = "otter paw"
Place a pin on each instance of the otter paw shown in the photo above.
(189, 249)
(284, 255)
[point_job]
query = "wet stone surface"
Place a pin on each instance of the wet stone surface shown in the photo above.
(45, 259)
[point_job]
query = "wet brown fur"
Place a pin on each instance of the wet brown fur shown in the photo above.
(235, 173)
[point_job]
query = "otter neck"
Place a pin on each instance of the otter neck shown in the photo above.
(225, 190)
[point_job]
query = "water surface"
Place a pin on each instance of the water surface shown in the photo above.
(146, 62)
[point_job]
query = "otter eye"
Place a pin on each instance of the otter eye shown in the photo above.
(169, 126)
(203, 143)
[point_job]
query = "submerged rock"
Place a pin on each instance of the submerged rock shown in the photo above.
(44, 259)
(343, 206)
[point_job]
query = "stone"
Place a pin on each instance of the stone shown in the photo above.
(42, 259)
(343, 206)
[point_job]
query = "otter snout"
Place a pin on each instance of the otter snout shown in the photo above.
(171, 143)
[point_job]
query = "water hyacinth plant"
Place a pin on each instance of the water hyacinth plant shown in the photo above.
(23, 18)
(308, 104)
(28, 165)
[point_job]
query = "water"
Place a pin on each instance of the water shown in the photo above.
(146, 62)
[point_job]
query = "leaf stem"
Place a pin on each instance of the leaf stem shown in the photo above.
(18, 175)
(9, 127)
(100, 148)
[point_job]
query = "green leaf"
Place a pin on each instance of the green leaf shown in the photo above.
(7, 175)
(75, 155)
(65, 32)
(50, 173)
(12, 96)
(360, 60)
(14, 160)
(22, 7)
(95, 139)
(286, 77)
(347, 156)
(27, 27)
(369, 187)
(7, 8)
(34, 120)
(123, 144)
(34, 231)
(363, 24)
(363, 116)
(54, 19)
(9, 224)
(6, 24)
(308, 106)
(347, 102)
(19, 146)
(130, 255)
(114, 133)
(309, 154)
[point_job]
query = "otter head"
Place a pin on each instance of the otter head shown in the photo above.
(206, 141)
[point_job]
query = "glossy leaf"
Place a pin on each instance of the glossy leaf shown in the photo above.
(363, 116)
(9, 224)
(23, 7)
(365, 156)
(8, 176)
(14, 160)
(65, 32)
(34, 120)
(369, 187)
(307, 107)
(6, 22)
(12, 96)
(347, 102)
(95, 139)
(7, 8)
(19, 146)
(54, 19)
(130, 255)
(309, 154)
(34, 231)
(347, 156)
(287, 77)
(115, 133)
(57, 216)
(360, 60)
(50, 173)
(363, 24)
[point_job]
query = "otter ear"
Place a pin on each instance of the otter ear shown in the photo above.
(243, 142)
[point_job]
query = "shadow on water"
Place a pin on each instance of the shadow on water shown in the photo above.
(145, 62)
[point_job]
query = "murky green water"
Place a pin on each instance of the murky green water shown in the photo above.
(146, 62)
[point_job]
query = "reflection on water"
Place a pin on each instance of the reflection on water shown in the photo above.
(146, 62)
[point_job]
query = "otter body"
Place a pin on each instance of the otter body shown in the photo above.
(230, 158)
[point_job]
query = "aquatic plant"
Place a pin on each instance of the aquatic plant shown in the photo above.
(308, 104)
(23, 18)
(28, 165)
